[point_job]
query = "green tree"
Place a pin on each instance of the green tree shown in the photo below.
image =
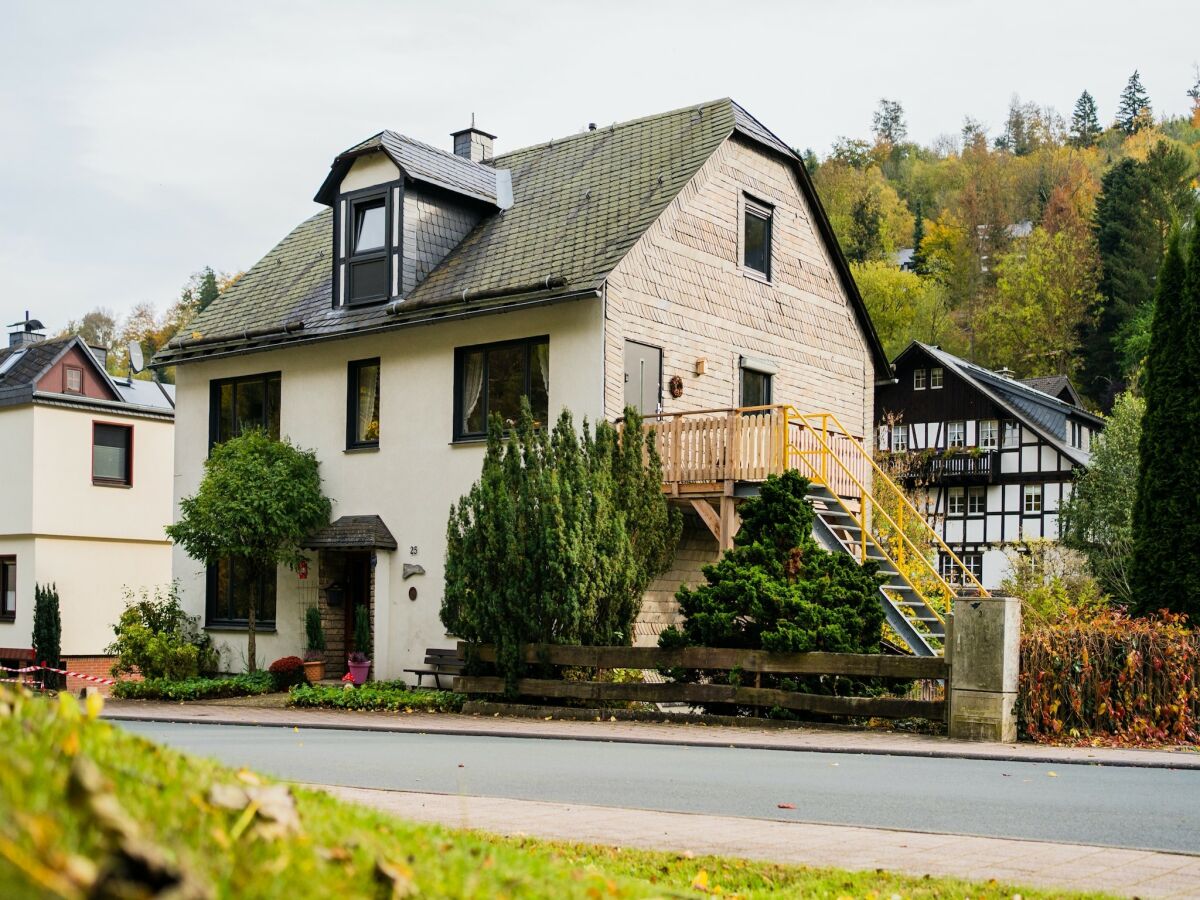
(918, 257)
(1126, 241)
(866, 229)
(1166, 515)
(778, 590)
(888, 123)
(1134, 112)
(47, 632)
(1044, 288)
(1097, 519)
(1085, 123)
(558, 540)
(258, 499)
(904, 306)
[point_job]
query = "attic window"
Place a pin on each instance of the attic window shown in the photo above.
(367, 263)
(756, 237)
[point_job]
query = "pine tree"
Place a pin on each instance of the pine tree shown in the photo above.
(1127, 242)
(47, 632)
(1134, 112)
(208, 290)
(1085, 123)
(1167, 510)
(919, 263)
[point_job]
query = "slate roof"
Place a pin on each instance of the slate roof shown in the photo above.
(1056, 386)
(579, 204)
(352, 533)
(1041, 411)
(18, 384)
(420, 162)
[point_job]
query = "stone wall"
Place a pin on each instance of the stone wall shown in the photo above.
(333, 569)
(697, 547)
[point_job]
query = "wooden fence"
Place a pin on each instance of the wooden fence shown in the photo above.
(751, 663)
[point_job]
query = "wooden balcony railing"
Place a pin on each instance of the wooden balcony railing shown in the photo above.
(957, 467)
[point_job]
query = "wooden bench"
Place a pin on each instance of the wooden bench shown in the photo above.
(439, 662)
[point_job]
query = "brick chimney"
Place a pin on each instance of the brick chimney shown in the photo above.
(473, 144)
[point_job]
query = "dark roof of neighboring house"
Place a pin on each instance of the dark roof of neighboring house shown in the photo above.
(352, 533)
(18, 383)
(1041, 411)
(1056, 386)
(579, 205)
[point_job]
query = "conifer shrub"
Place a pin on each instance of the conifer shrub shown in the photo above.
(776, 589)
(558, 540)
(47, 633)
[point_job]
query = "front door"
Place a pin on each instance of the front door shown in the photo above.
(358, 594)
(643, 377)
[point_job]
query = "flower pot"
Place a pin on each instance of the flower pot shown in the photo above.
(359, 671)
(314, 670)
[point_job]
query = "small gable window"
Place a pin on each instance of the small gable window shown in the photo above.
(918, 379)
(756, 237)
(935, 377)
(72, 380)
(366, 239)
(362, 424)
(112, 454)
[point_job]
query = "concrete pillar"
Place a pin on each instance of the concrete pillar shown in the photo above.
(984, 658)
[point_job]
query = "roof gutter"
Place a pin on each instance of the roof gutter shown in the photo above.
(251, 334)
(549, 283)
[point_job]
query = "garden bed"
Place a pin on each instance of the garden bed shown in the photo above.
(181, 815)
(196, 688)
(383, 695)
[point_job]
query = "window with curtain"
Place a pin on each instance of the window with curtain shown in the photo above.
(239, 404)
(362, 408)
(112, 454)
(493, 378)
(989, 434)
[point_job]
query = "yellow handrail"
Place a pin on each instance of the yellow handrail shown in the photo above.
(881, 475)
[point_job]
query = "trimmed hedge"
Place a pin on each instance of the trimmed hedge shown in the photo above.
(195, 688)
(374, 695)
(1111, 678)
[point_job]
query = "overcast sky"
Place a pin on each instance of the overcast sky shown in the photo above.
(140, 142)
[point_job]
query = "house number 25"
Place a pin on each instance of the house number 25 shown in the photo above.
(412, 551)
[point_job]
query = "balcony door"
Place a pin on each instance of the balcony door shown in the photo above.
(643, 377)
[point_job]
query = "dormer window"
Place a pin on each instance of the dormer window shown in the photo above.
(367, 261)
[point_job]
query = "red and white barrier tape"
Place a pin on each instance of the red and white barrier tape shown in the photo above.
(95, 679)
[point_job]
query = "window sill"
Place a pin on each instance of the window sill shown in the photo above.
(8, 618)
(258, 629)
(471, 441)
(362, 448)
(755, 275)
(97, 482)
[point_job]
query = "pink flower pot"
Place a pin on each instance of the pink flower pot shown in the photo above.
(359, 671)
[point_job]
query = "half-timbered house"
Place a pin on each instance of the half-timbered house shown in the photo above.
(992, 457)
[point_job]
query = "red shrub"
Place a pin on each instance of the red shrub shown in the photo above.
(1111, 678)
(287, 671)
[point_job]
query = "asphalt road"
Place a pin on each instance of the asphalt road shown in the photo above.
(1155, 809)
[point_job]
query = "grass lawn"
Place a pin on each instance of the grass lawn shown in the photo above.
(83, 804)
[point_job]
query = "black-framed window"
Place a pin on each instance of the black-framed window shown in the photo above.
(362, 403)
(112, 454)
(756, 388)
(367, 264)
(229, 596)
(8, 588)
(239, 404)
(756, 237)
(492, 378)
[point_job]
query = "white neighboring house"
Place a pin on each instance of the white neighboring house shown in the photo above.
(86, 492)
(997, 456)
(676, 262)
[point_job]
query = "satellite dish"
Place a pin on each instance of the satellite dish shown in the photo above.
(136, 360)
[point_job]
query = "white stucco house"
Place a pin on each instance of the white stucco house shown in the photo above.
(679, 262)
(87, 462)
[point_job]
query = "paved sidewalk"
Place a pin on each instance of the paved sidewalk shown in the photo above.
(1032, 863)
(824, 740)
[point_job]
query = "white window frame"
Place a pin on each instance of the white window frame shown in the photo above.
(956, 501)
(899, 438)
(976, 501)
(918, 379)
(881, 438)
(962, 435)
(1010, 427)
(937, 378)
(1031, 499)
(989, 434)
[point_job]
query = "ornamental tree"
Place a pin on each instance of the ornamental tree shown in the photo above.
(558, 540)
(258, 498)
(47, 632)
